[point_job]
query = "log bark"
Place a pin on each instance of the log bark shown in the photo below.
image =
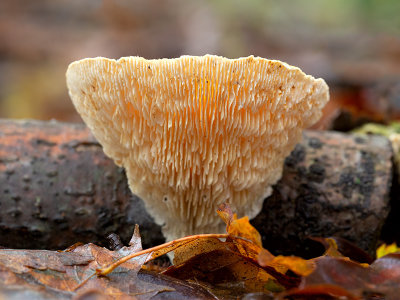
(57, 188)
(333, 184)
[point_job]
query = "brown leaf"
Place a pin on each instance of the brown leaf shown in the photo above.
(239, 227)
(179, 289)
(225, 269)
(245, 237)
(233, 263)
(331, 247)
(322, 291)
(197, 247)
(339, 247)
(380, 278)
(63, 272)
(386, 270)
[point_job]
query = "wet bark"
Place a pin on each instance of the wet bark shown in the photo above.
(57, 188)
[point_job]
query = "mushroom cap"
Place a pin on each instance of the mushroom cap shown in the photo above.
(193, 132)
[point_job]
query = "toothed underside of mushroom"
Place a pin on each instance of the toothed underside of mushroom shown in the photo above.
(194, 132)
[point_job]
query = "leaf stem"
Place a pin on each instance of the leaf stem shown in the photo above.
(84, 281)
(108, 269)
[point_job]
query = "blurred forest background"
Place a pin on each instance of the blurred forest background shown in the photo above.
(353, 44)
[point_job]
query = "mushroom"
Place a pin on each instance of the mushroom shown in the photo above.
(196, 131)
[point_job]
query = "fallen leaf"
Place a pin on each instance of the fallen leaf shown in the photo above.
(63, 272)
(387, 249)
(381, 278)
(321, 291)
(239, 227)
(331, 247)
(227, 269)
(351, 251)
(225, 266)
(245, 237)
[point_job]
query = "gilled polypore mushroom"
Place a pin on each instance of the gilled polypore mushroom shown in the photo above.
(193, 132)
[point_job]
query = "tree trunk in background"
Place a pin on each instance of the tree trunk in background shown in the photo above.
(57, 188)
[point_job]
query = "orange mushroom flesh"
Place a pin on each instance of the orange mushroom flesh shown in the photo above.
(193, 132)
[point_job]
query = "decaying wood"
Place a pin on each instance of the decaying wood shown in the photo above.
(57, 188)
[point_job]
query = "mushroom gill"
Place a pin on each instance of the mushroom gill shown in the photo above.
(193, 132)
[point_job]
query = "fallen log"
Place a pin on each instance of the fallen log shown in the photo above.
(333, 184)
(57, 188)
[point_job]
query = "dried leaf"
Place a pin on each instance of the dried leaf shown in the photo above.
(352, 251)
(62, 272)
(155, 252)
(331, 247)
(225, 213)
(322, 291)
(224, 268)
(386, 270)
(239, 261)
(197, 247)
(239, 227)
(387, 249)
(298, 265)
(239, 266)
(245, 237)
(281, 263)
(381, 278)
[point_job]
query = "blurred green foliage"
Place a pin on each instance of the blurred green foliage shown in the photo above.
(370, 15)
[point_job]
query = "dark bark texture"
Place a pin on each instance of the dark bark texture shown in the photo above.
(57, 188)
(333, 184)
